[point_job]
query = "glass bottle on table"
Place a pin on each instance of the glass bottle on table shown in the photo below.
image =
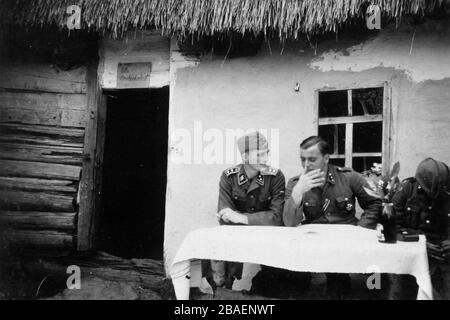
(387, 227)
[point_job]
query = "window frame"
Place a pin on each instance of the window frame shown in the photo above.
(349, 121)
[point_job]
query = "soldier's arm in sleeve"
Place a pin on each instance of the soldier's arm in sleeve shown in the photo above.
(271, 217)
(448, 220)
(399, 203)
(292, 214)
(225, 195)
(442, 206)
(372, 206)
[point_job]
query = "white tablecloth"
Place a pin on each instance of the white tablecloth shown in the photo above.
(312, 248)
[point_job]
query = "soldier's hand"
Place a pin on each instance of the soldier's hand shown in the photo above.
(231, 216)
(310, 180)
(434, 250)
(446, 248)
(220, 214)
(307, 181)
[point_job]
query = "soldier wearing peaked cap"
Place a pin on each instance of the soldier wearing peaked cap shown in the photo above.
(251, 193)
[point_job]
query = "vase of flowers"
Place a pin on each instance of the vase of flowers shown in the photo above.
(384, 187)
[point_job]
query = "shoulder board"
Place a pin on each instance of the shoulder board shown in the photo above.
(344, 169)
(269, 171)
(407, 183)
(231, 171)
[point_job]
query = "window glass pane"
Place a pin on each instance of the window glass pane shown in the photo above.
(361, 164)
(367, 101)
(367, 137)
(338, 162)
(333, 104)
(334, 134)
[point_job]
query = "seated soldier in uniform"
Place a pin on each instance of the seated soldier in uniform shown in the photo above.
(251, 193)
(422, 205)
(325, 193)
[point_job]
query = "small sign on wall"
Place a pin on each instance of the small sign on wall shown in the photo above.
(134, 75)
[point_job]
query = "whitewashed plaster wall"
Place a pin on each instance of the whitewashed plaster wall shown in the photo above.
(258, 92)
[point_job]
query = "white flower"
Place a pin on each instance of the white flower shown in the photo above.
(380, 184)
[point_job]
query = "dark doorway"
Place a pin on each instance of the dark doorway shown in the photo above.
(134, 173)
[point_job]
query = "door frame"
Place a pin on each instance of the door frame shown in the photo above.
(90, 190)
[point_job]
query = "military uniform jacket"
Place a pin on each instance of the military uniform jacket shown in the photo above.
(414, 209)
(335, 202)
(260, 199)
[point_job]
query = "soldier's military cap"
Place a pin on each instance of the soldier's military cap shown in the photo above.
(254, 140)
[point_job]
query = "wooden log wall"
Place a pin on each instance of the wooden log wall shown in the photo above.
(43, 115)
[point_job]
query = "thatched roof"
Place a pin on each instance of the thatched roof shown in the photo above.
(285, 18)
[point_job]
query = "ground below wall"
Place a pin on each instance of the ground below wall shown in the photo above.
(106, 277)
(316, 291)
(103, 277)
